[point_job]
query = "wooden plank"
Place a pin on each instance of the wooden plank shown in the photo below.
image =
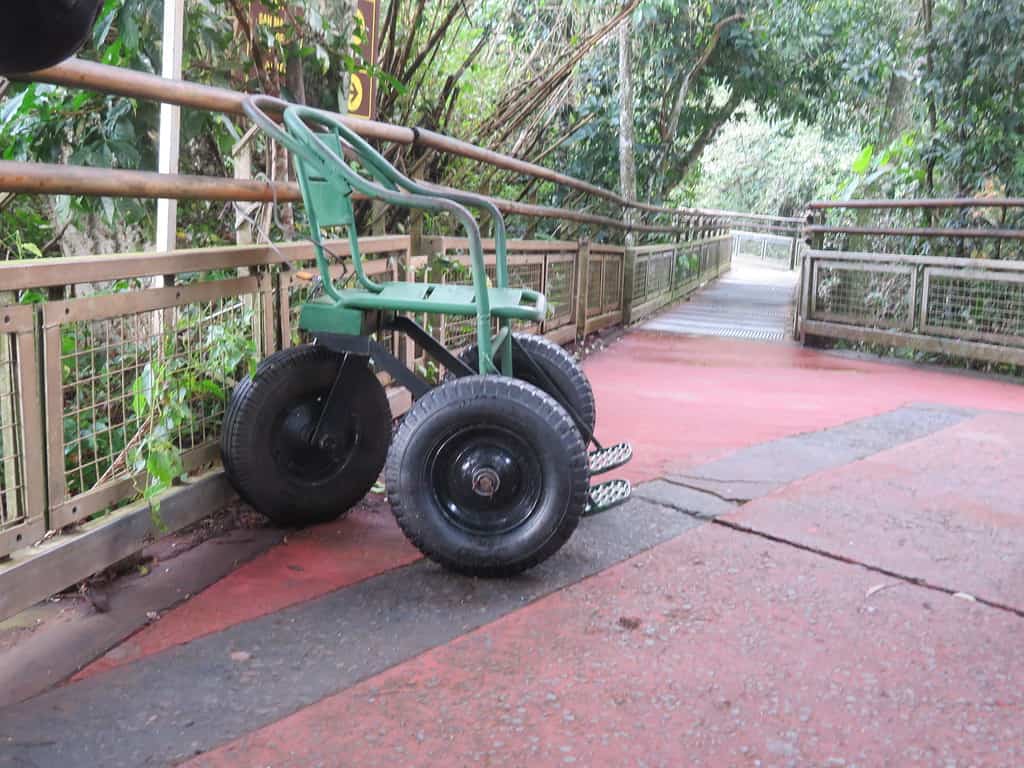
(804, 300)
(947, 232)
(967, 349)
(566, 334)
(106, 306)
(604, 248)
(903, 258)
(40, 273)
(56, 482)
(534, 246)
(601, 322)
(12, 457)
(266, 314)
(582, 287)
(86, 504)
(32, 437)
(35, 573)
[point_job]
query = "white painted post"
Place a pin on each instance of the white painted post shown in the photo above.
(170, 122)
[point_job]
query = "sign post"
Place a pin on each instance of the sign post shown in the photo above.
(362, 91)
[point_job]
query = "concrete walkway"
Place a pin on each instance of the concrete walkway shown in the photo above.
(822, 566)
(753, 301)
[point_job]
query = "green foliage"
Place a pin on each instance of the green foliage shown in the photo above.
(134, 403)
(977, 85)
(771, 167)
(181, 385)
(933, 114)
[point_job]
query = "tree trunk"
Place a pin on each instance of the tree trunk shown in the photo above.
(927, 9)
(627, 148)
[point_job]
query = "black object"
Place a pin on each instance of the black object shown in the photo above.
(487, 475)
(35, 35)
(295, 460)
(545, 365)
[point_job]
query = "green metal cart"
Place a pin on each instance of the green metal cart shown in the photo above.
(489, 472)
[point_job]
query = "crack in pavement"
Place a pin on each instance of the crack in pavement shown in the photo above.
(874, 568)
(708, 491)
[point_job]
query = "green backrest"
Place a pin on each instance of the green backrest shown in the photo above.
(327, 195)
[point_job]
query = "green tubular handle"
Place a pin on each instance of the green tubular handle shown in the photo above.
(539, 300)
(476, 201)
(256, 106)
(297, 119)
(255, 109)
(386, 174)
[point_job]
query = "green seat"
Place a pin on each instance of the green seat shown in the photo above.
(342, 315)
(508, 303)
(323, 148)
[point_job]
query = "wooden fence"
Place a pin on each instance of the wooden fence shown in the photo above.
(942, 277)
(73, 370)
(77, 367)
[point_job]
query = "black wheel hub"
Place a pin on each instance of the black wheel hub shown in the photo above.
(486, 478)
(300, 454)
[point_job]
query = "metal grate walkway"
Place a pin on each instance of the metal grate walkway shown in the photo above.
(750, 302)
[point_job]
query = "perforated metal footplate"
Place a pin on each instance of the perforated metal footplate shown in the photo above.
(612, 457)
(607, 495)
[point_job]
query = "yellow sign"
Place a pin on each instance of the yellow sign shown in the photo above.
(267, 18)
(362, 91)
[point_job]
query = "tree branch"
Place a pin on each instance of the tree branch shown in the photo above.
(705, 137)
(671, 126)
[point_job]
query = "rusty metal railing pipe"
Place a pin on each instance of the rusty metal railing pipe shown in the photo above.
(963, 202)
(50, 179)
(951, 232)
(92, 76)
(103, 78)
(452, 146)
(53, 179)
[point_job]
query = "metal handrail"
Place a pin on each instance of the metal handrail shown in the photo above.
(956, 202)
(103, 78)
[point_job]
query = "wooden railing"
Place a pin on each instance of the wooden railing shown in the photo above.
(942, 277)
(73, 370)
(78, 362)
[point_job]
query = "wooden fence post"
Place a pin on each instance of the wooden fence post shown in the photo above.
(582, 286)
(10, 507)
(804, 297)
(628, 270)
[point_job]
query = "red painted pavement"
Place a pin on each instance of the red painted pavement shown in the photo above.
(718, 648)
(364, 543)
(680, 401)
(684, 400)
(948, 509)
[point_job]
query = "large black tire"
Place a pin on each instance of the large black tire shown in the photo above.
(293, 355)
(558, 364)
(272, 462)
(487, 476)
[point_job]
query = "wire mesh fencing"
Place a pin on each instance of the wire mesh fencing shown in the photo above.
(963, 309)
(127, 372)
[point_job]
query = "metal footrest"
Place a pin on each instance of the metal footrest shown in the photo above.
(612, 457)
(607, 495)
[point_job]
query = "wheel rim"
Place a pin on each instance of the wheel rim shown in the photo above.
(486, 479)
(294, 451)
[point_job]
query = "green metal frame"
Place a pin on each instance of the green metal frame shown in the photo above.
(318, 142)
